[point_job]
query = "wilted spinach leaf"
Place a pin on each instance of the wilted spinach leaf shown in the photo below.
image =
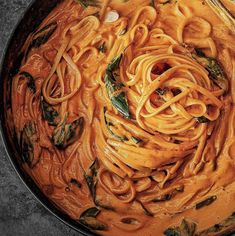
(41, 37)
(65, 134)
(30, 83)
(30, 147)
(49, 113)
(88, 218)
(90, 178)
(206, 202)
(114, 87)
(216, 73)
(185, 229)
(87, 3)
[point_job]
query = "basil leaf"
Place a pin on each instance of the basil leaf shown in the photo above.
(216, 73)
(185, 229)
(114, 65)
(161, 91)
(87, 3)
(199, 52)
(102, 48)
(104, 206)
(88, 218)
(114, 88)
(136, 140)
(120, 103)
(91, 212)
(30, 83)
(30, 148)
(172, 232)
(202, 119)
(76, 183)
(65, 134)
(146, 211)
(222, 226)
(206, 202)
(41, 37)
(49, 113)
(168, 196)
(109, 125)
(90, 178)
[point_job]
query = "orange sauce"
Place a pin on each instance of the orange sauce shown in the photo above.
(116, 188)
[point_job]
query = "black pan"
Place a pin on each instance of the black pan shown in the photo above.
(31, 19)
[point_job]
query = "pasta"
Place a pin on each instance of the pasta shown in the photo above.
(124, 112)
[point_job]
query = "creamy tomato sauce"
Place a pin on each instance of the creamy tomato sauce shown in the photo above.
(124, 112)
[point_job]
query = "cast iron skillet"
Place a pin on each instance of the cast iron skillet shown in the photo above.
(31, 19)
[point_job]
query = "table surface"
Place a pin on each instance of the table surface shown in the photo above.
(20, 213)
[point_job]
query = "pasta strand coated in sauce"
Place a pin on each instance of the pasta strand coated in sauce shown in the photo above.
(124, 112)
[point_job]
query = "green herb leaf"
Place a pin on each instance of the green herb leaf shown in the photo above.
(188, 228)
(91, 212)
(185, 229)
(87, 3)
(202, 119)
(114, 65)
(49, 113)
(30, 84)
(136, 140)
(222, 226)
(76, 183)
(65, 134)
(168, 196)
(216, 73)
(161, 91)
(146, 211)
(114, 87)
(172, 232)
(199, 52)
(120, 103)
(75, 130)
(206, 202)
(109, 125)
(103, 205)
(102, 48)
(42, 36)
(30, 149)
(90, 178)
(88, 218)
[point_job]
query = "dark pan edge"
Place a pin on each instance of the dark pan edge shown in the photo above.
(4, 133)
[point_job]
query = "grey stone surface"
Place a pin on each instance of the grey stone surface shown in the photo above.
(20, 213)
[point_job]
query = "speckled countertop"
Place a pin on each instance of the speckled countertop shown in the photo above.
(20, 213)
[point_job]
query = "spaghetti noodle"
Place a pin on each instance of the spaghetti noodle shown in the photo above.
(135, 112)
